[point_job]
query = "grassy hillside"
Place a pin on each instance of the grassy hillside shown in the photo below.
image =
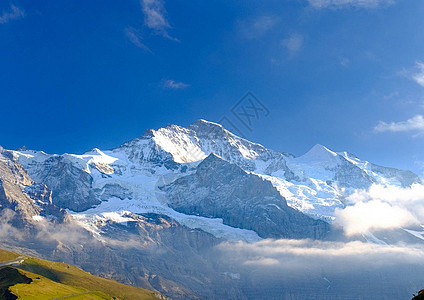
(41, 279)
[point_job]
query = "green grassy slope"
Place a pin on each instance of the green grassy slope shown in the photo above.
(41, 279)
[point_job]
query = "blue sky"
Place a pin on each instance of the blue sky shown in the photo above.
(348, 74)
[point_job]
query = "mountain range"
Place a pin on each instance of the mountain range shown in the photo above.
(151, 212)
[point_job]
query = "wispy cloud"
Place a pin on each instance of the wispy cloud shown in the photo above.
(281, 250)
(135, 37)
(257, 27)
(418, 77)
(13, 13)
(349, 3)
(391, 95)
(293, 43)
(175, 85)
(415, 123)
(155, 17)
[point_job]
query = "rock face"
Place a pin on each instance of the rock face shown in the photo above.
(23, 201)
(12, 196)
(219, 189)
(71, 185)
(163, 255)
(146, 153)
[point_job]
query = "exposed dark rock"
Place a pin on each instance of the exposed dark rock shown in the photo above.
(219, 189)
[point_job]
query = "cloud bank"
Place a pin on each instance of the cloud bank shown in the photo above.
(305, 269)
(382, 207)
(277, 253)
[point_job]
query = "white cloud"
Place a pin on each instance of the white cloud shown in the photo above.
(349, 3)
(13, 14)
(373, 215)
(415, 123)
(175, 85)
(419, 76)
(293, 43)
(382, 207)
(155, 17)
(135, 37)
(257, 27)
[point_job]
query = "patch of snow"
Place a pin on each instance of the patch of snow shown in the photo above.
(38, 218)
(318, 203)
(115, 208)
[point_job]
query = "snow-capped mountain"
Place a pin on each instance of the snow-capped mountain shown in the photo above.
(152, 211)
(166, 171)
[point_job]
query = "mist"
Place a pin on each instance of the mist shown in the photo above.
(268, 269)
(306, 269)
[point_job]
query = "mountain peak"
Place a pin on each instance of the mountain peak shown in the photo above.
(94, 151)
(149, 133)
(213, 157)
(205, 122)
(211, 161)
(319, 152)
(206, 128)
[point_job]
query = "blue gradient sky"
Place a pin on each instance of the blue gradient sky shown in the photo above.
(82, 74)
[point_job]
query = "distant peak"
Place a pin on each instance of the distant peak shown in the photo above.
(212, 159)
(23, 148)
(319, 152)
(213, 155)
(319, 147)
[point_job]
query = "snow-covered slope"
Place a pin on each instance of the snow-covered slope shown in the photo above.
(107, 184)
